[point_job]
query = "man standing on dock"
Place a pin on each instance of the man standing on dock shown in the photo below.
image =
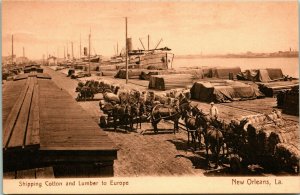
(213, 111)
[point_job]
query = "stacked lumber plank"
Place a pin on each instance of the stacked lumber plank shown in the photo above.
(273, 88)
(197, 73)
(108, 72)
(132, 73)
(288, 100)
(224, 91)
(36, 173)
(21, 127)
(108, 68)
(43, 126)
(146, 74)
(224, 72)
(166, 82)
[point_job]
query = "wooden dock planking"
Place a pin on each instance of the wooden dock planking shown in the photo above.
(9, 97)
(19, 132)
(9, 175)
(69, 128)
(21, 76)
(13, 116)
(50, 119)
(43, 173)
(43, 76)
(26, 174)
(33, 129)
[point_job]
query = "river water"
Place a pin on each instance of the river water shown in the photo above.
(289, 66)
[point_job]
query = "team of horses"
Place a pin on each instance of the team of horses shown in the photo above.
(129, 109)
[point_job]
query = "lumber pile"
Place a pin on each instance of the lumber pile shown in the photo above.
(132, 73)
(108, 68)
(224, 91)
(197, 73)
(108, 73)
(273, 88)
(261, 75)
(224, 72)
(146, 74)
(166, 82)
(288, 100)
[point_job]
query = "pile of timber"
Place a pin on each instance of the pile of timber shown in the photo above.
(108, 68)
(166, 82)
(224, 91)
(45, 127)
(146, 74)
(224, 72)
(108, 72)
(270, 135)
(33, 68)
(271, 89)
(288, 100)
(132, 73)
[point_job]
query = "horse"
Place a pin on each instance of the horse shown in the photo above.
(133, 116)
(141, 113)
(121, 114)
(193, 127)
(169, 112)
(213, 137)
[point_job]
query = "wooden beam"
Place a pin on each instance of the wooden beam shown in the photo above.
(46, 172)
(33, 129)
(26, 174)
(19, 132)
(13, 116)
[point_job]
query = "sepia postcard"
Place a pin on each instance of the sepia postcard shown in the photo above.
(122, 97)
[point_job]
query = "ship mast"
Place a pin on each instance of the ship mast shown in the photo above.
(72, 51)
(80, 46)
(148, 42)
(126, 50)
(23, 59)
(90, 52)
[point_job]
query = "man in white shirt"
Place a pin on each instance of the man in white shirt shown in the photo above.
(213, 111)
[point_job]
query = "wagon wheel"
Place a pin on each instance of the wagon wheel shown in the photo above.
(235, 164)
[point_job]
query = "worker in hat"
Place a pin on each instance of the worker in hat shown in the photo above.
(213, 111)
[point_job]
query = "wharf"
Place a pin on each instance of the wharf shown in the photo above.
(43, 126)
(165, 153)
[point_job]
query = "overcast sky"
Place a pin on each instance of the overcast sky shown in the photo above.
(185, 27)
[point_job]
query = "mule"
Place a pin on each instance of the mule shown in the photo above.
(160, 112)
(193, 128)
(121, 115)
(213, 137)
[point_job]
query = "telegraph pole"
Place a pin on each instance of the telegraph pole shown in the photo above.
(12, 49)
(126, 50)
